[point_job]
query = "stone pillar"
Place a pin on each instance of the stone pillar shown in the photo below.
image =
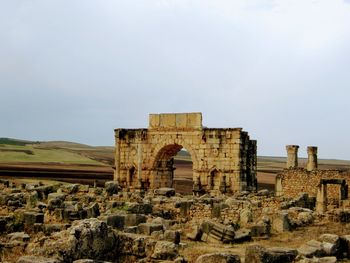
(223, 185)
(344, 192)
(139, 166)
(292, 156)
(116, 176)
(312, 158)
(321, 198)
(278, 186)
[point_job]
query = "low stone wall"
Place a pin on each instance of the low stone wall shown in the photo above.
(290, 182)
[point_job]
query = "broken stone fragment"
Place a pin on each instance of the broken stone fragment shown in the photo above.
(218, 258)
(260, 254)
(165, 250)
(335, 241)
(172, 236)
(196, 234)
(116, 220)
(218, 232)
(311, 248)
(148, 228)
(242, 235)
(318, 260)
(55, 200)
(165, 191)
(281, 222)
(18, 236)
(33, 259)
(134, 219)
(245, 216)
(139, 208)
(112, 187)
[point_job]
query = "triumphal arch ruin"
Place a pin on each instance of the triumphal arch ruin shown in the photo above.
(223, 159)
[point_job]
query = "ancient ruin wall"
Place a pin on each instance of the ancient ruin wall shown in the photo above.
(143, 157)
(294, 181)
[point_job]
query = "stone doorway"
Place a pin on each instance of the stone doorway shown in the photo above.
(173, 168)
(321, 198)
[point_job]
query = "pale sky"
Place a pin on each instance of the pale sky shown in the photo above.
(75, 70)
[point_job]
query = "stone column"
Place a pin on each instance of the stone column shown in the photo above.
(312, 158)
(139, 166)
(321, 198)
(292, 156)
(116, 176)
(278, 186)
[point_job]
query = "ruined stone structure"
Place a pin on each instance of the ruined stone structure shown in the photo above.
(321, 198)
(312, 158)
(292, 156)
(326, 185)
(223, 159)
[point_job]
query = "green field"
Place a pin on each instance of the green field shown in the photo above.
(16, 151)
(13, 150)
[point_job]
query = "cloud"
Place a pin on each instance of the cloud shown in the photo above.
(77, 69)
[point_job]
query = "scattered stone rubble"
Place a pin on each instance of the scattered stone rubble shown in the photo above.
(77, 223)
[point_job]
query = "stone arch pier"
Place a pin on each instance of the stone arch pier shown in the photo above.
(222, 158)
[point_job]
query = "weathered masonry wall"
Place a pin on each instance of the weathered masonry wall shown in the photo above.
(291, 182)
(222, 158)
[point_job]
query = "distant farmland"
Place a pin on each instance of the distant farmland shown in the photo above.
(69, 161)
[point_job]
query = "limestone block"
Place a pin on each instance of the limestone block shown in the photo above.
(181, 120)
(167, 120)
(147, 228)
(311, 248)
(257, 254)
(194, 120)
(116, 220)
(219, 258)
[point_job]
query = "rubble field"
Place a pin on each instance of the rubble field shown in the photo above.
(62, 222)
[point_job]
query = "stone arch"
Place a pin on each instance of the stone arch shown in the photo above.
(156, 150)
(161, 168)
(230, 150)
(213, 178)
(131, 176)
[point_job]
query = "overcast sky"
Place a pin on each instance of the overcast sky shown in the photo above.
(75, 70)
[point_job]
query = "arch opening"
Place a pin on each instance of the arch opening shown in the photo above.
(131, 176)
(213, 180)
(174, 168)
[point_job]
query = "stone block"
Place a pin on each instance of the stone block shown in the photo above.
(218, 258)
(172, 236)
(111, 187)
(18, 236)
(311, 248)
(154, 121)
(48, 229)
(116, 221)
(137, 208)
(30, 218)
(281, 222)
(167, 120)
(33, 259)
(259, 254)
(181, 120)
(165, 191)
(134, 219)
(147, 228)
(165, 250)
(92, 211)
(243, 235)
